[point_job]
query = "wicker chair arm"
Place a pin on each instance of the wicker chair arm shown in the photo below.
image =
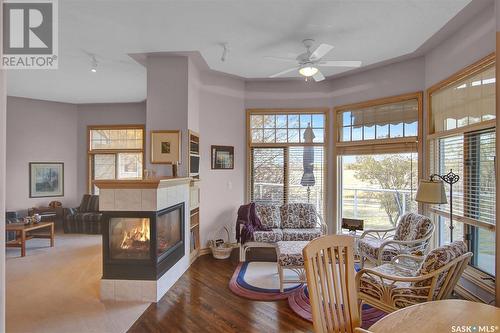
(418, 278)
(408, 257)
(403, 247)
(323, 225)
(375, 233)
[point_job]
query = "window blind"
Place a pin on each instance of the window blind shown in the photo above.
(471, 155)
(288, 174)
(392, 120)
(267, 175)
(464, 102)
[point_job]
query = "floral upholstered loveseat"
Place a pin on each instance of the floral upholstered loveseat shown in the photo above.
(289, 222)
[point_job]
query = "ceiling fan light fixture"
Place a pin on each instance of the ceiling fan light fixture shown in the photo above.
(308, 70)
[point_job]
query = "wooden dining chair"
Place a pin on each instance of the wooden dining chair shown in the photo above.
(361, 330)
(329, 264)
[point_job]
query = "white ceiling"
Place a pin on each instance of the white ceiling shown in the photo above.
(371, 31)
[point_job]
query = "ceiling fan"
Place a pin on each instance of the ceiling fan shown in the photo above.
(309, 61)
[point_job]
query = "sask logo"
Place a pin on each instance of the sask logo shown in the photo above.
(474, 329)
(29, 34)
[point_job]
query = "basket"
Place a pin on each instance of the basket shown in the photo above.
(223, 251)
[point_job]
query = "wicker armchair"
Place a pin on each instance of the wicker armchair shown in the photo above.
(410, 280)
(410, 236)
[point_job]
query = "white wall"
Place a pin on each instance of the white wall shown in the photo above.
(222, 122)
(102, 114)
(39, 131)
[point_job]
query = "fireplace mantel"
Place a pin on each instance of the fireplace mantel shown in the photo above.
(146, 195)
(142, 198)
(140, 183)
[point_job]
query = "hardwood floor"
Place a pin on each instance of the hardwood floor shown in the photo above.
(202, 302)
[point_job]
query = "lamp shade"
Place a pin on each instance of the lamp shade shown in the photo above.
(431, 192)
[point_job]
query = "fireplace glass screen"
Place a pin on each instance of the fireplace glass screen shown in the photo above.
(168, 231)
(129, 238)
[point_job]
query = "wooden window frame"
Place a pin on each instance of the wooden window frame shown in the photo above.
(250, 145)
(471, 273)
(375, 146)
(91, 153)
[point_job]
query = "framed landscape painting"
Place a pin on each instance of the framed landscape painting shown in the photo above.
(166, 147)
(46, 179)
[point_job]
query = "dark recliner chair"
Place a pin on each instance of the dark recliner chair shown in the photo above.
(85, 219)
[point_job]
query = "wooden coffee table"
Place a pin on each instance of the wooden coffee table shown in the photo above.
(21, 231)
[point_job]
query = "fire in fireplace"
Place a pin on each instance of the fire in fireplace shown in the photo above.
(137, 238)
(142, 245)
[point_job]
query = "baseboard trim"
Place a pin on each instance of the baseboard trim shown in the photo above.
(204, 251)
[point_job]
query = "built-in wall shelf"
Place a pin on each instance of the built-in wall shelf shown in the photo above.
(194, 194)
(194, 155)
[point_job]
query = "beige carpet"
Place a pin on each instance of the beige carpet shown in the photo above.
(57, 289)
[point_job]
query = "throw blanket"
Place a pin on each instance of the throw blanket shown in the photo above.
(247, 217)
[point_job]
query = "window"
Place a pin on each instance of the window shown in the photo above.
(384, 121)
(115, 152)
(462, 138)
(287, 156)
(378, 159)
(378, 188)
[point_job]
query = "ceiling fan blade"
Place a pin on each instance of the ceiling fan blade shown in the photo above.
(321, 51)
(318, 76)
(340, 63)
(281, 59)
(284, 72)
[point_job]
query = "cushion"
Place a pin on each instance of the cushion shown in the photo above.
(298, 215)
(272, 236)
(84, 204)
(290, 253)
(412, 226)
(301, 234)
(370, 247)
(269, 215)
(93, 204)
(368, 283)
(438, 258)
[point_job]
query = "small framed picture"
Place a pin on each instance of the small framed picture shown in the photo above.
(166, 147)
(46, 179)
(222, 157)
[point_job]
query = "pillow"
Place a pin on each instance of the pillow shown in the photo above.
(438, 258)
(269, 215)
(298, 215)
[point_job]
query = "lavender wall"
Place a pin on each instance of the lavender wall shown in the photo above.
(3, 124)
(222, 122)
(102, 114)
(167, 102)
(474, 40)
(39, 131)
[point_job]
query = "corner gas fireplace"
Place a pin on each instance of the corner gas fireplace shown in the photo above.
(142, 245)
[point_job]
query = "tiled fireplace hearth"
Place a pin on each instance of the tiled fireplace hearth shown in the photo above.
(145, 243)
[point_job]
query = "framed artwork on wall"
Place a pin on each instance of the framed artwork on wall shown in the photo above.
(166, 147)
(222, 157)
(46, 179)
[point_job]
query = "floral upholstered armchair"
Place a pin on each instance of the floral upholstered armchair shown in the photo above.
(410, 236)
(408, 279)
